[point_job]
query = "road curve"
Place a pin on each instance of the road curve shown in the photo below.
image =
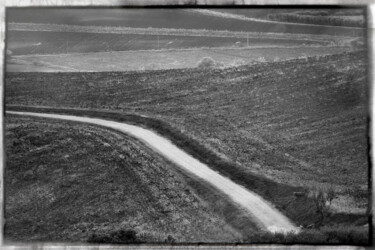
(266, 216)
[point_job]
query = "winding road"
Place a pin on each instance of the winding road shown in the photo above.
(263, 212)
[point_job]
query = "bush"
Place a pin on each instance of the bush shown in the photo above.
(321, 198)
(170, 239)
(206, 62)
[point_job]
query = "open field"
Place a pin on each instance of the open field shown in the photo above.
(289, 123)
(100, 29)
(55, 42)
(262, 13)
(161, 59)
(161, 18)
(75, 180)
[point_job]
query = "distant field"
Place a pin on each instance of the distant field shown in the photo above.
(67, 181)
(162, 59)
(160, 18)
(264, 12)
(323, 18)
(39, 42)
(301, 122)
(319, 20)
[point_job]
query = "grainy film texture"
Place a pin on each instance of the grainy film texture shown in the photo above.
(187, 125)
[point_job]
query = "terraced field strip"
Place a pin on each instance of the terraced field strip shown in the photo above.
(159, 59)
(41, 27)
(264, 214)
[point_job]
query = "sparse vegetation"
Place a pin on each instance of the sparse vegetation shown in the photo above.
(75, 182)
(304, 108)
(214, 125)
(103, 232)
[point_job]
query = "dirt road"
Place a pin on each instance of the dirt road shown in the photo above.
(264, 214)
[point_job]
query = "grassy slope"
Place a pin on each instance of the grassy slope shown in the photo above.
(249, 115)
(74, 180)
(303, 122)
(338, 229)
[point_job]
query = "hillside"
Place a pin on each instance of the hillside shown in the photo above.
(303, 122)
(75, 181)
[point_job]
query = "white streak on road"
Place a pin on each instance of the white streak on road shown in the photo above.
(266, 216)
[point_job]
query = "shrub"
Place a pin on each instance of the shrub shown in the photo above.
(319, 198)
(207, 62)
(331, 194)
(170, 239)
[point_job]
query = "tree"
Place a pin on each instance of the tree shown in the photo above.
(331, 194)
(206, 62)
(322, 199)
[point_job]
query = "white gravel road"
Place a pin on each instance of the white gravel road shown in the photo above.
(263, 212)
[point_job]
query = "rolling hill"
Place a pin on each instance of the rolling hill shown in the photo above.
(272, 122)
(79, 183)
(161, 18)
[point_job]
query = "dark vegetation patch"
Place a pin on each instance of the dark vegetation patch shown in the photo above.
(327, 235)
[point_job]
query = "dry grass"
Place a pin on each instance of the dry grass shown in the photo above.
(290, 124)
(66, 182)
